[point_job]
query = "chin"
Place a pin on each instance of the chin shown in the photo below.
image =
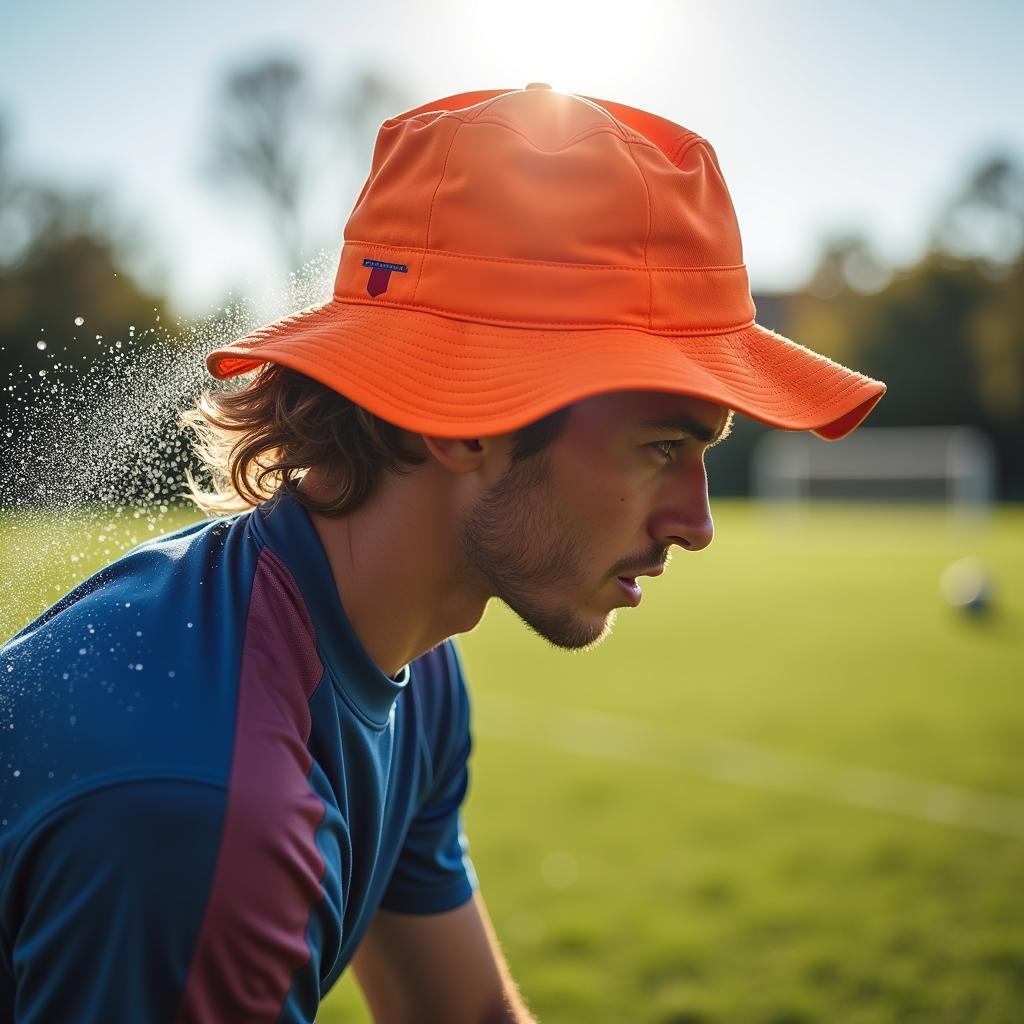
(570, 632)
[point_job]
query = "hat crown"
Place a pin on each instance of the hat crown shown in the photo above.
(539, 175)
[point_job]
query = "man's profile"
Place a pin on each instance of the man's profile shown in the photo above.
(541, 322)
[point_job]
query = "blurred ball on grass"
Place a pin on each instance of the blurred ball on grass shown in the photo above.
(966, 585)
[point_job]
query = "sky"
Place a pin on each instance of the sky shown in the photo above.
(859, 116)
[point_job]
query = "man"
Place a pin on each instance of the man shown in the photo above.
(238, 754)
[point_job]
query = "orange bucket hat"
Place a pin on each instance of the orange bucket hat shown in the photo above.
(513, 251)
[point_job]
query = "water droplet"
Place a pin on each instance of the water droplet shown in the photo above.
(81, 650)
(79, 320)
(170, 674)
(41, 345)
(73, 719)
(189, 624)
(42, 373)
(17, 772)
(138, 667)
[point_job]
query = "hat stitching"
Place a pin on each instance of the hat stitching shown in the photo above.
(547, 322)
(725, 362)
(484, 105)
(329, 310)
(523, 261)
(430, 212)
(769, 397)
(686, 139)
(424, 385)
(490, 317)
(685, 146)
(583, 133)
(807, 364)
(647, 238)
(613, 120)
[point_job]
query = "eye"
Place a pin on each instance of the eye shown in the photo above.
(668, 448)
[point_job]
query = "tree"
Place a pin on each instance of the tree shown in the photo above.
(275, 139)
(984, 220)
(257, 145)
(61, 262)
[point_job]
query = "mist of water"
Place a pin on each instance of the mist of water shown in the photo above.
(93, 461)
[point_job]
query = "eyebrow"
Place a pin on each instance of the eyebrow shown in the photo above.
(688, 425)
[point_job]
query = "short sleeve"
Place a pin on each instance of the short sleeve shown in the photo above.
(105, 906)
(434, 873)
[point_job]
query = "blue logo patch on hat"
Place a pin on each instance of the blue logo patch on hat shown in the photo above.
(380, 274)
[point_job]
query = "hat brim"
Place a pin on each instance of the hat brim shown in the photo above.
(455, 378)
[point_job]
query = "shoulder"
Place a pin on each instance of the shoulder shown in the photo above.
(133, 673)
(442, 702)
(440, 683)
(151, 575)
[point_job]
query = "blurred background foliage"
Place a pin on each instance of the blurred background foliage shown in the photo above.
(946, 334)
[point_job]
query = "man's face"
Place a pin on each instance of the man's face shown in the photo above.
(562, 535)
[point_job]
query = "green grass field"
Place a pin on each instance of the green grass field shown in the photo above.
(789, 788)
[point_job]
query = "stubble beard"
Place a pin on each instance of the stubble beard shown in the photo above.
(519, 538)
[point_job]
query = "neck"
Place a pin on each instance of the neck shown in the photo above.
(397, 566)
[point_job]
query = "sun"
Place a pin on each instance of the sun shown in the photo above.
(590, 49)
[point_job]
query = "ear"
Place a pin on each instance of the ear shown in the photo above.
(456, 454)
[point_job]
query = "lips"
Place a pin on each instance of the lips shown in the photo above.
(631, 588)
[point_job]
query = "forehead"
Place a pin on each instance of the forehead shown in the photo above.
(631, 410)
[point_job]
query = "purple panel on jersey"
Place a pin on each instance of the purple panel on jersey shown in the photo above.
(269, 868)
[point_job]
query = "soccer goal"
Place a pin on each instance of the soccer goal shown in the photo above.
(952, 465)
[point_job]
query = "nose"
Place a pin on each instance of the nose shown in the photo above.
(684, 515)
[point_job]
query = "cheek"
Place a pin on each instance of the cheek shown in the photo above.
(604, 493)
(611, 514)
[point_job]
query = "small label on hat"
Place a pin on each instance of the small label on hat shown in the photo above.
(400, 267)
(380, 274)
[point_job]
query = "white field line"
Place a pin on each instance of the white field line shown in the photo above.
(640, 741)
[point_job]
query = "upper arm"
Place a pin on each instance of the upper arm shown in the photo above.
(105, 901)
(438, 968)
(433, 872)
(113, 914)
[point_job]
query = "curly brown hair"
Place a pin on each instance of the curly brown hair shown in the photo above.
(262, 438)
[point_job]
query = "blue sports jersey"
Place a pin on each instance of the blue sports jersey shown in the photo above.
(207, 787)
